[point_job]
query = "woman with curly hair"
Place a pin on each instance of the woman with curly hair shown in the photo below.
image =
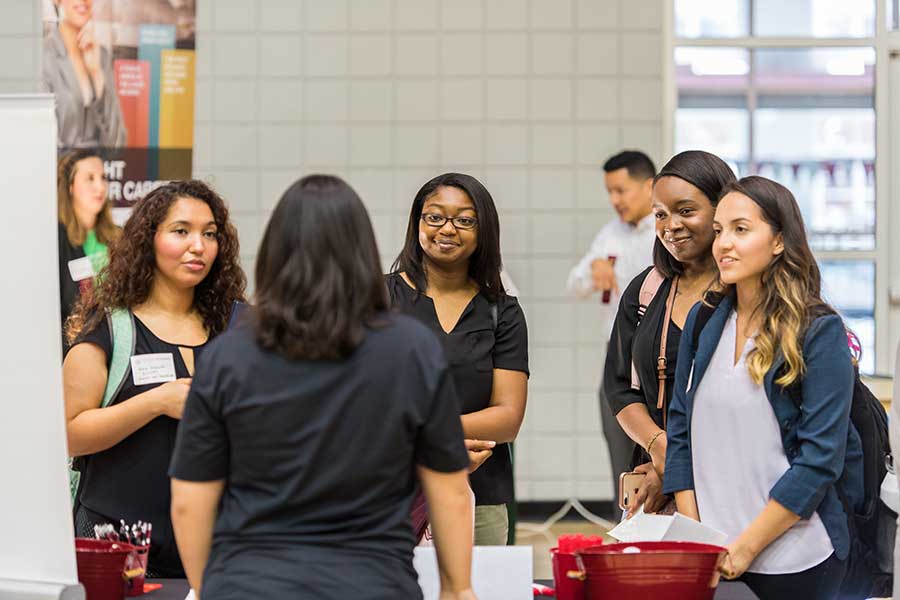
(176, 271)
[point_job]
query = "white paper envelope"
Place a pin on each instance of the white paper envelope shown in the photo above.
(498, 572)
(666, 528)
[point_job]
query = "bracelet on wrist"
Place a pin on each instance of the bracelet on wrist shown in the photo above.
(653, 439)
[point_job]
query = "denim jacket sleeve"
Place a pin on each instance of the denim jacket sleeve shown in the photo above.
(827, 392)
(679, 473)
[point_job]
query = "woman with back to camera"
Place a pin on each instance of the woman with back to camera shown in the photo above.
(448, 277)
(78, 71)
(86, 228)
(173, 279)
(685, 192)
(307, 425)
(762, 402)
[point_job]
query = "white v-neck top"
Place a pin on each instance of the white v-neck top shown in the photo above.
(738, 457)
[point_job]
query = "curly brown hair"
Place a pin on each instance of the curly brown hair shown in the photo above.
(127, 280)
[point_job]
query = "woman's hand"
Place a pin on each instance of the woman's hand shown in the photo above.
(649, 495)
(90, 54)
(90, 51)
(737, 561)
(172, 396)
(479, 451)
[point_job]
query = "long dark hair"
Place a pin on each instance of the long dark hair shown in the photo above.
(127, 280)
(708, 173)
(790, 285)
(484, 264)
(318, 276)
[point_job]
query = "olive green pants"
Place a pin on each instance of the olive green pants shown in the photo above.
(491, 525)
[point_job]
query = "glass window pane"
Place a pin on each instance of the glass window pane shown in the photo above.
(814, 18)
(723, 131)
(814, 132)
(711, 18)
(848, 72)
(712, 70)
(849, 286)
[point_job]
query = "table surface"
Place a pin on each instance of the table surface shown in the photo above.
(177, 589)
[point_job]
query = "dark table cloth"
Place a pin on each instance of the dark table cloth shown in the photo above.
(177, 589)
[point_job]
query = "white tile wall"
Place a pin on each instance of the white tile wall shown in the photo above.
(506, 14)
(530, 95)
(235, 15)
(640, 53)
(551, 14)
(274, 15)
(601, 14)
(236, 54)
(597, 53)
(506, 54)
(371, 15)
(416, 54)
(551, 99)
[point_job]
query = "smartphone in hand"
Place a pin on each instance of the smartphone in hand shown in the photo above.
(629, 484)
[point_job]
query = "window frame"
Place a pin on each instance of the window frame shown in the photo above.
(887, 179)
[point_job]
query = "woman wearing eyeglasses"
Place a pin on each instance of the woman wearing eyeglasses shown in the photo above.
(448, 277)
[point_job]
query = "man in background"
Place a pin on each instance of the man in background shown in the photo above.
(620, 251)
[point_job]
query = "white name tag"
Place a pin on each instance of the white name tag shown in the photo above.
(81, 268)
(152, 368)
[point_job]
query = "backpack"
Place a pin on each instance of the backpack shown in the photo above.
(870, 565)
(121, 333)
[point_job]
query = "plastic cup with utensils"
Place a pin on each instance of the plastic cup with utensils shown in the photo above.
(137, 560)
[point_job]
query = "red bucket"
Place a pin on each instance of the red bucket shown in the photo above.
(101, 567)
(658, 570)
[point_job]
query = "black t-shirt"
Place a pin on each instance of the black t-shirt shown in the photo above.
(474, 349)
(640, 342)
(319, 461)
(129, 480)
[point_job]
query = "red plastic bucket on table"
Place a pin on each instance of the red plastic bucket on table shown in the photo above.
(658, 570)
(566, 587)
(101, 567)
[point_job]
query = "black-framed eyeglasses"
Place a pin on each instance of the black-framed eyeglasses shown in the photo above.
(436, 220)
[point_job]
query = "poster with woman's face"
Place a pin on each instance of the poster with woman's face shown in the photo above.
(122, 72)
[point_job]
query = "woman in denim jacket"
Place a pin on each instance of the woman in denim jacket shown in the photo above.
(746, 455)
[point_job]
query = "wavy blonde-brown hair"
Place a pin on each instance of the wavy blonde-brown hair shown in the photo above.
(105, 228)
(790, 285)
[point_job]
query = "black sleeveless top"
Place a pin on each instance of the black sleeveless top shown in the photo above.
(130, 480)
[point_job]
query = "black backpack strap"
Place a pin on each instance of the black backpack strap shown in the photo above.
(703, 315)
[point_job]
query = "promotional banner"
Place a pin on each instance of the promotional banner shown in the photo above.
(122, 73)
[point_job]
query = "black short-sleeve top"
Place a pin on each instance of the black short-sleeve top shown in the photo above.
(485, 338)
(129, 480)
(638, 340)
(318, 456)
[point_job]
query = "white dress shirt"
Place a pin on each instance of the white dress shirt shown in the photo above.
(632, 245)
